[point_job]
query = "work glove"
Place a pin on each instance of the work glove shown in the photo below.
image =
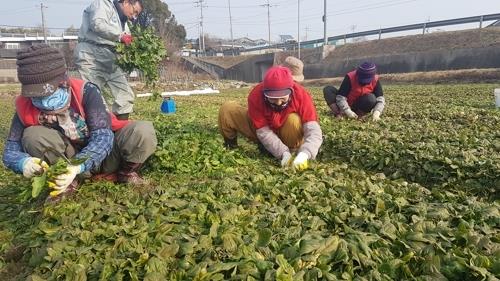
(62, 181)
(300, 162)
(34, 166)
(126, 39)
(285, 159)
(376, 116)
(350, 114)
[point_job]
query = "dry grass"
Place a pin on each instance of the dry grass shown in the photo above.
(10, 88)
(464, 39)
(225, 62)
(432, 77)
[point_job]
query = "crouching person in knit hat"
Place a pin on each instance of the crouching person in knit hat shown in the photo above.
(59, 116)
(360, 93)
(281, 118)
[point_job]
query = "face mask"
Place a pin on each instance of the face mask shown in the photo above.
(57, 100)
(276, 107)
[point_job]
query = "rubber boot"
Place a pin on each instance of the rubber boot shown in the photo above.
(123, 116)
(335, 110)
(128, 174)
(111, 177)
(231, 143)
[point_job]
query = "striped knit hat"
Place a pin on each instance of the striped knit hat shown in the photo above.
(40, 69)
(365, 72)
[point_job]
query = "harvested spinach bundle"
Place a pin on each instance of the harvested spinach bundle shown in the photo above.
(144, 54)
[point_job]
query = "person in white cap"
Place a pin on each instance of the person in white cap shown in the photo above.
(296, 66)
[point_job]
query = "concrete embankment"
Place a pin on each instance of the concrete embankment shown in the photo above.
(456, 50)
(470, 49)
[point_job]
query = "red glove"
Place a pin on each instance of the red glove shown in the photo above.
(126, 39)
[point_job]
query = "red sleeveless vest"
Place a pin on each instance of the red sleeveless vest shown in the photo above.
(358, 90)
(29, 114)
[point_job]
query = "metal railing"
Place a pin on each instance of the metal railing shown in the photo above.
(423, 26)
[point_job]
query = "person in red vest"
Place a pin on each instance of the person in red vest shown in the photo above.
(58, 116)
(359, 94)
(281, 118)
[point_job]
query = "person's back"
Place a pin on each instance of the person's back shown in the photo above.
(96, 28)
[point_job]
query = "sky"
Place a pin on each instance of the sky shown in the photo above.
(250, 18)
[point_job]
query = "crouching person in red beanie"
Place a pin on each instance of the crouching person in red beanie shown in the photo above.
(281, 118)
(57, 116)
(360, 93)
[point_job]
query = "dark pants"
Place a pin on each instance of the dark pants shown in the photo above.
(330, 94)
(132, 143)
(362, 105)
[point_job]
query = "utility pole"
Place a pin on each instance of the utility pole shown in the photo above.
(324, 26)
(199, 41)
(307, 29)
(298, 29)
(268, 22)
(43, 22)
(202, 34)
(231, 27)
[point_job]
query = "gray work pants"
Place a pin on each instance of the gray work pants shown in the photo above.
(97, 64)
(132, 143)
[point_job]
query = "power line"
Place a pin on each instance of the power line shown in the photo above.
(61, 2)
(353, 10)
(28, 27)
(242, 6)
(17, 10)
(242, 21)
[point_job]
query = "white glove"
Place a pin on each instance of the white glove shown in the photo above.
(376, 116)
(300, 162)
(64, 180)
(34, 166)
(351, 114)
(285, 159)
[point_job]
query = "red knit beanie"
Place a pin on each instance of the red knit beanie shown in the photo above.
(278, 82)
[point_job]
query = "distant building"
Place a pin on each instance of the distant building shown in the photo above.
(246, 42)
(10, 43)
(285, 38)
(221, 47)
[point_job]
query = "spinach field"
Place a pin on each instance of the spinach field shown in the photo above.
(412, 197)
